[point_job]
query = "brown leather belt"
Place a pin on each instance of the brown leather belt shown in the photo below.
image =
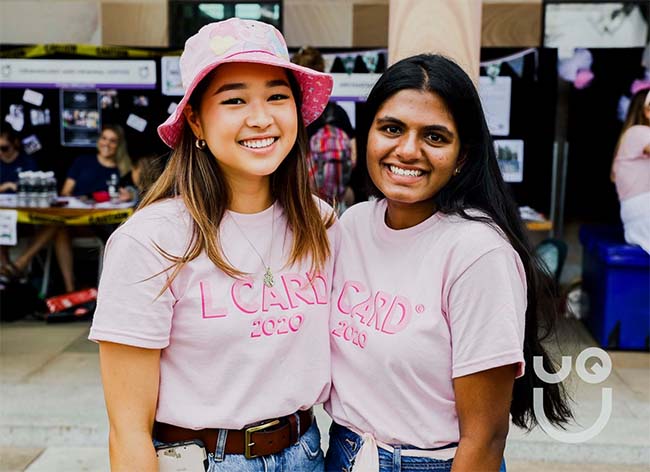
(267, 437)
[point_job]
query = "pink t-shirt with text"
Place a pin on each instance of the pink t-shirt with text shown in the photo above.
(631, 165)
(234, 351)
(412, 309)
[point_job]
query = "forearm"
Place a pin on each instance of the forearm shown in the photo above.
(7, 186)
(130, 376)
(132, 450)
(479, 453)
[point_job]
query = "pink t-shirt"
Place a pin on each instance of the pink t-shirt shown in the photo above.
(631, 165)
(412, 309)
(233, 351)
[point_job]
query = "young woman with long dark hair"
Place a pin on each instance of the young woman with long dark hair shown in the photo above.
(439, 304)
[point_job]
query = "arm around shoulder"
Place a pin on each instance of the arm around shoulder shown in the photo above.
(130, 376)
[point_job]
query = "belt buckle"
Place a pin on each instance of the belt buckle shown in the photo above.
(248, 432)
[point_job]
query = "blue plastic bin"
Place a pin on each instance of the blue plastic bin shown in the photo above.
(616, 278)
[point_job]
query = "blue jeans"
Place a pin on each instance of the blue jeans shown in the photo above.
(344, 445)
(304, 456)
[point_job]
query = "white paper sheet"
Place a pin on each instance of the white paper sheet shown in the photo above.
(33, 97)
(8, 227)
(495, 96)
(136, 122)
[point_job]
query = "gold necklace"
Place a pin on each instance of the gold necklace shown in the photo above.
(269, 280)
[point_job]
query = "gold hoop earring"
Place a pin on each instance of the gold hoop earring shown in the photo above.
(200, 144)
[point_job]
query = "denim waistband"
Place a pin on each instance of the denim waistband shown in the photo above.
(352, 435)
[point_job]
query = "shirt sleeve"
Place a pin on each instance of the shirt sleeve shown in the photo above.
(130, 308)
(487, 306)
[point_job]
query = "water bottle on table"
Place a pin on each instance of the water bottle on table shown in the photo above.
(113, 191)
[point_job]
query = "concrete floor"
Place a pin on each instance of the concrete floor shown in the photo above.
(52, 414)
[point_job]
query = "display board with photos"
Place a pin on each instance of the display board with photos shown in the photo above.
(58, 121)
(518, 91)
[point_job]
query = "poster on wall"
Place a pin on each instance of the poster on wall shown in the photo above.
(80, 118)
(171, 76)
(510, 156)
(495, 95)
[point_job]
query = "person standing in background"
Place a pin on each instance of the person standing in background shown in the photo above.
(331, 180)
(631, 171)
(439, 304)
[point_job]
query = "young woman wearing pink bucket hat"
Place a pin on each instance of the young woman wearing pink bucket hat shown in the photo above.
(218, 329)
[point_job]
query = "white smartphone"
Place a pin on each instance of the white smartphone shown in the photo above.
(186, 456)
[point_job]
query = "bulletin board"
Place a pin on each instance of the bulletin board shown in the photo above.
(53, 136)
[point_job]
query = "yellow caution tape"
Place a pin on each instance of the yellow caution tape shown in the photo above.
(106, 217)
(41, 50)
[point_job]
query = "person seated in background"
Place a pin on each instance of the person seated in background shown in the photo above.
(87, 175)
(12, 162)
(330, 182)
(631, 171)
(145, 171)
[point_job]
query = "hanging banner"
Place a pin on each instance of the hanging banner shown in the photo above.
(364, 61)
(515, 61)
(56, 73)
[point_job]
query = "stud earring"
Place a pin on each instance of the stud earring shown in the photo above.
(200, 144)
(457, 171)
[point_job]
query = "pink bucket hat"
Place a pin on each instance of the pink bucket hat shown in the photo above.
(237, 40)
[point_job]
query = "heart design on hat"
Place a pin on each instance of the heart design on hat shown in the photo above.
(220, 44)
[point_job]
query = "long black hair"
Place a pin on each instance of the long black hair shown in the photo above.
(480, 186)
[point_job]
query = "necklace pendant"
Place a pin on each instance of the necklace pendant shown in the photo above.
(269, 281)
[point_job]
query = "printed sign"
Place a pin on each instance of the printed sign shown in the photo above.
(171, 76)
(54, 73)
(495, 97)
(8, 227)
(354, 87)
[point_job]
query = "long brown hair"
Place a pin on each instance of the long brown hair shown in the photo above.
(196, 177)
